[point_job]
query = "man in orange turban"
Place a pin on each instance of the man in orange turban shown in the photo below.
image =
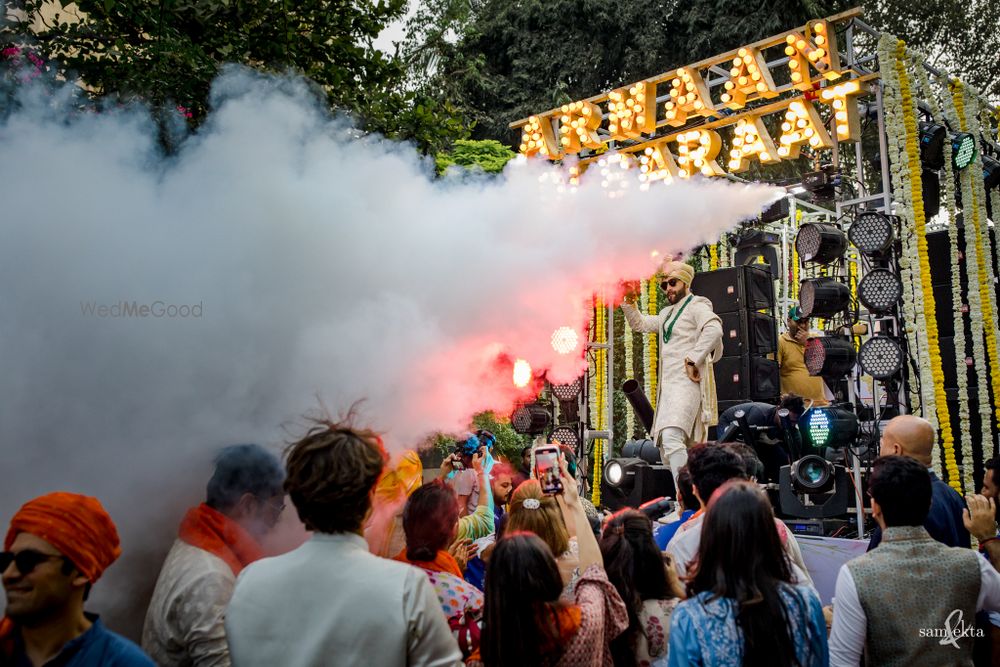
(57, 546)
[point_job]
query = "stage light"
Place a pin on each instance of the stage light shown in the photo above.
(566, 435)
(820, 243)
(828, 426)
(991, 172)
(567, 392)
(963, 149)
(620, 473)
(522, 373)
(932, 140)
(880, 290)
(565, 340)
(872, 232)
(829, 356)
(812, 474)
(881, 357)
(531, 419)
(823, 297)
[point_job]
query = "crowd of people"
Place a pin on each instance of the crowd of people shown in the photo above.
(481, 567)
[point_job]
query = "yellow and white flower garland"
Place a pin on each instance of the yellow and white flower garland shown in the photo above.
(974, 205)
(958, 311)
(599, 401)
(908, 190)
(628, 339)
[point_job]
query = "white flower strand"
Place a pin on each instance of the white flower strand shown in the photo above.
(959, 309)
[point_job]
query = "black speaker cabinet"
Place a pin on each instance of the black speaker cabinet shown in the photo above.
(735, 288)
(748, 332)
(747, 378)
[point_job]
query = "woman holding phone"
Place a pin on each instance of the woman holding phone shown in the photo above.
(525, 621)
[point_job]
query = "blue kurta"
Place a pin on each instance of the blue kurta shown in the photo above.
(97, 647)
(703, 631)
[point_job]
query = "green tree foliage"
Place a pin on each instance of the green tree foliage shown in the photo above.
(167, 53)
(960, 35)
(488, 154)
(499, 61)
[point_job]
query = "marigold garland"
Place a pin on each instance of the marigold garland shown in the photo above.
(964, 439)
(600, 357)
(653, 349)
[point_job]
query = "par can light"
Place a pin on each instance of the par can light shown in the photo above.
(829, 356)
(828, 426)
(823, 297)
(567, 392)
(880, 290)
(963, 149)
(566, 435)
(820, 243)
(881, 357)
(531, 419)
(932, 140)
(872, 232)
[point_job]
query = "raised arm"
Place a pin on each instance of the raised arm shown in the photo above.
(643, 323)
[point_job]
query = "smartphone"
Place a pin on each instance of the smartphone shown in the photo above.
(547, 470)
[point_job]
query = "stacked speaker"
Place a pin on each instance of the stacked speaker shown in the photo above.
(952, 360)
(743, 298)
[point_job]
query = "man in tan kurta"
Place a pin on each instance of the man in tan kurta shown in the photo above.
(690, 341)
(795, 378)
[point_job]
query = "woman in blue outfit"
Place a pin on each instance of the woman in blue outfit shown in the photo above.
(742, 608)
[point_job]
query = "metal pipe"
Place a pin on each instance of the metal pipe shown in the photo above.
(637, 397)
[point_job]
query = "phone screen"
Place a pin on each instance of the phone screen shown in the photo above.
(547, 470)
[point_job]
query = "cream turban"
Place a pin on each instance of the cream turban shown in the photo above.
(680, 270)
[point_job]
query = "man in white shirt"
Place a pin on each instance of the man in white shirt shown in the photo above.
(216, 540)
(911, 600)
(711, 466)
(332, 602)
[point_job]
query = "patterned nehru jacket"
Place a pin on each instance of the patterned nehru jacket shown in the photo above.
(911, 583)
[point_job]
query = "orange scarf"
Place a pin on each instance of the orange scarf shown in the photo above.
(7, 640)
(443, 562)
(208, 529)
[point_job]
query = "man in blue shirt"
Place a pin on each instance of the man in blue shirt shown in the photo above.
(58, 545)
(687, 505)
(913, 437)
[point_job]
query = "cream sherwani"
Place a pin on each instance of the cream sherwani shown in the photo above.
(695, 333)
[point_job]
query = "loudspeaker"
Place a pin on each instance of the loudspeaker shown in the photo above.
(748, 332)
(747, 378)
(944, 309)
(939, 256)
(650, 482)
(735, 288)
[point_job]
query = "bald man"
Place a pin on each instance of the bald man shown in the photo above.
(914, 437)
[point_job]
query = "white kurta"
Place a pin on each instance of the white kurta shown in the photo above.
(696, 335)
(331, 602)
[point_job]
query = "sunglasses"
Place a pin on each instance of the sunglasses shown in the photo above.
(664, 284)
(26, 560)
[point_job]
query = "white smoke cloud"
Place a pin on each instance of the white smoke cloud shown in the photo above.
(323, 266)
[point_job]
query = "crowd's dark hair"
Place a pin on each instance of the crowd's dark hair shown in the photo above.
(241, 469)
(752, 467)
(793, 403)
(902, 488)
(331, 471)
(685, 489)
(570, 456)
(429, 519)
(635, 568)
(993, 465)
(520, 615)
(741, 558)
(711, 466)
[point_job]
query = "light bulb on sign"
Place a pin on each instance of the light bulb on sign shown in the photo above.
(564, 341)
(522, 373)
